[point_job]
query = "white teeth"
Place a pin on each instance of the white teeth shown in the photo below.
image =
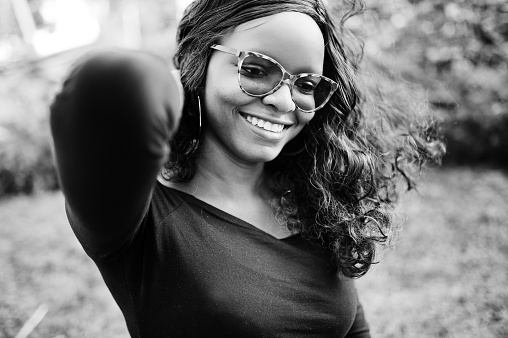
(273, 127)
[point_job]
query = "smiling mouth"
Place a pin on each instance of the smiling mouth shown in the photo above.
(260, 123)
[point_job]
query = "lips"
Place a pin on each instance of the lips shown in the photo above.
(266, 125)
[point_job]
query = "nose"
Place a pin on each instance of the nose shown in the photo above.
(281, 99)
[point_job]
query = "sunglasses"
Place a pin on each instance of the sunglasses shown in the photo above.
(260, 75)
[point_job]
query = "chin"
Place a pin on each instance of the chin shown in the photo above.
(264, 155)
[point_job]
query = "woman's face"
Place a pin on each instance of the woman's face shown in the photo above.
(295, 41)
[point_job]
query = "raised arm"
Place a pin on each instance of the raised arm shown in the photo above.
(110, 123)
(360, 328)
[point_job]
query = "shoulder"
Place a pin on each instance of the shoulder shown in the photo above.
(165, 200)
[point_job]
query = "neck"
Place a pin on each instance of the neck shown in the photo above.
(220, 176)
(234, 186)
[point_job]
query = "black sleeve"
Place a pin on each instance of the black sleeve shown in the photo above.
(110, 123)
(360, 328)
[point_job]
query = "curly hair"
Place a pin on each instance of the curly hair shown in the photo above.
(337, 181)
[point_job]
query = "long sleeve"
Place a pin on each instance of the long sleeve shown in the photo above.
(360, 328)
(110, 124)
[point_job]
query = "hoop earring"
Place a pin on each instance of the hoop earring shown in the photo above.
(199, 109)
(195, 141)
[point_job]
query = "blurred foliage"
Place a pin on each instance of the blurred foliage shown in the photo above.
(458, 51)
(26, 161)
(27, 90)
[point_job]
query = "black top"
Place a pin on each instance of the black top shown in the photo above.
(192, 270)
(176, 266)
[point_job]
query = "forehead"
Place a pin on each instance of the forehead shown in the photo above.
(293, 39)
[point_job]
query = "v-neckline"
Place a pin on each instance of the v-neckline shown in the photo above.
(223, 214)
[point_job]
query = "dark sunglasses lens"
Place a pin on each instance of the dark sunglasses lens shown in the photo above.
(311, 92)
(258, 76)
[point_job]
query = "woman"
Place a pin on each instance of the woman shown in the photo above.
(275, 188)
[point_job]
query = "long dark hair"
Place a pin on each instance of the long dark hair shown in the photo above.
(336, 181)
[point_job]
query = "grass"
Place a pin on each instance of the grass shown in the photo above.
(41, 262)
(447, 277)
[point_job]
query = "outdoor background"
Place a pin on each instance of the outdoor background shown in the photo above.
(448, 275)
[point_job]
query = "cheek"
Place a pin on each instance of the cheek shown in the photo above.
(222, 99)
(224, 94)
(221, 85)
